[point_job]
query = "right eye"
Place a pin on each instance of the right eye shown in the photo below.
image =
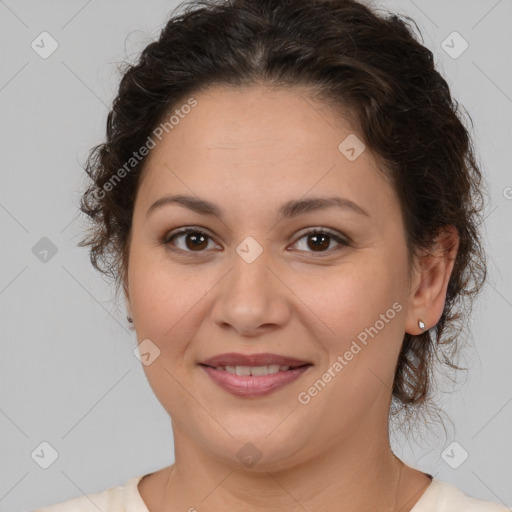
(194, 238)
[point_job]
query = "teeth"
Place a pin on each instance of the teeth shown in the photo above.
(254, 370)
(243, 370)
(259, 370)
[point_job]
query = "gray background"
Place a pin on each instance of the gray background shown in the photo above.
(68, 373)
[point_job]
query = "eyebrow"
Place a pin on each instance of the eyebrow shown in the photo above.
(289, 209)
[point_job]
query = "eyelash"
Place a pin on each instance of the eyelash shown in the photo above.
(316, 231)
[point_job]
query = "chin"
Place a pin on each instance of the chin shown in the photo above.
(275, 445)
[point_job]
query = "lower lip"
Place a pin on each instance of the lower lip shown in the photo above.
(253, 385)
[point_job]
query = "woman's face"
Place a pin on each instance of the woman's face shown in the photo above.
(259, 282)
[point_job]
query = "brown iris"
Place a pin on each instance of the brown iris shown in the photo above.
(317, 237)
(199, 241)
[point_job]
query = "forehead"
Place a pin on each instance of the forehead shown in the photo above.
(240, 119)
(258, 143)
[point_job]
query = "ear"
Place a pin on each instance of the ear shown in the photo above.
(129, 311)
(126, 291)
(124, 275)
(127, 300)
(430, 281)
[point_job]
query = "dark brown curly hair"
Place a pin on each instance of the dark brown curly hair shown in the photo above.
(366, 64)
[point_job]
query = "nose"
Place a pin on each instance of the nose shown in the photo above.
(252, 298)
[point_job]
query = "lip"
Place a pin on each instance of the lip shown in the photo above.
(236, 359)
(253, 386)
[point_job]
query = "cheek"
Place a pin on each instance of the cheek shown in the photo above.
(159, 297)
(362, 307)
(351, 297)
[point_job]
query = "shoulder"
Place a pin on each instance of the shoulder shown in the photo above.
(444, 497)
(122, 498)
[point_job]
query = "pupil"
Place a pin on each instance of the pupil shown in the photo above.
(195, 237)
(317, 237)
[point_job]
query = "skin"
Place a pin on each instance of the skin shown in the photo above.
(249, 150)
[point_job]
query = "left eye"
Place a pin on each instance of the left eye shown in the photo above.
(196, 240)
(321, 239)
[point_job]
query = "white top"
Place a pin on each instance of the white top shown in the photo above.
(438, 497)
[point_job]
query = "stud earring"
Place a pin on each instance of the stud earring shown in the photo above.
(130, 319)
(421, 325)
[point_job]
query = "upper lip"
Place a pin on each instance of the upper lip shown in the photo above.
(234, 359)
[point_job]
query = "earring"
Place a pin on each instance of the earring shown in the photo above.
(421, 325)
(130, 319)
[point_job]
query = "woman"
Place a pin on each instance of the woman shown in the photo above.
(290, 202)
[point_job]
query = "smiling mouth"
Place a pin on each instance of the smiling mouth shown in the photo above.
(269, 369)
(253, 382)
